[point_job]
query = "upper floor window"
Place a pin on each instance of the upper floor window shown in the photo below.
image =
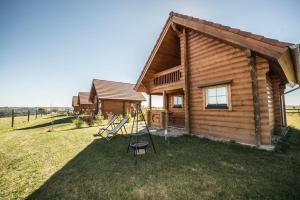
(177, 101)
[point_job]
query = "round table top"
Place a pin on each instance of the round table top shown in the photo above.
(139, 145)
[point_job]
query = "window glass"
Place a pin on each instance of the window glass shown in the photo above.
(221, 91)
(212, 100)
(212, 92)
(217, 97)
(222, 100)
(177, 101)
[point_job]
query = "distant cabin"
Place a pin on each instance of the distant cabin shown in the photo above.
(219, 82)
(85, 105)
(110, 97)
(75, 105)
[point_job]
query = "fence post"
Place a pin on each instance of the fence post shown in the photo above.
(35, 114)
(28, 113)
(12, 118)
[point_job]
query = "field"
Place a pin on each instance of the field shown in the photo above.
(38, 162)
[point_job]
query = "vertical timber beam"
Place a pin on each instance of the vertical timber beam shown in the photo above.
(253, 74)
(124, 111)
(283, 113)
(150, 101)
(165, 104)
(184, 62)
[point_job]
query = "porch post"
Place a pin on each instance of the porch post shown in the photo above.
(184, 62)
(150, 101)
(255, 93)
(283, 113)
(165, 106)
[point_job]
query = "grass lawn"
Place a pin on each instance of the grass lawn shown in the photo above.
(70, 163)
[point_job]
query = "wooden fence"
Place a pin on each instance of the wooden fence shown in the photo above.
(295, 110)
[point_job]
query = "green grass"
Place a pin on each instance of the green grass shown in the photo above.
(70, 163)
(293, 120)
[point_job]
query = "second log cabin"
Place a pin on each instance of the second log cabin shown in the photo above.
(111, 97)
(85, 105)
(217, 81)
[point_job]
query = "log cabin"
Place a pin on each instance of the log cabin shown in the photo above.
(85, 105)
(110, 97)
(75, 105)
(219, 82)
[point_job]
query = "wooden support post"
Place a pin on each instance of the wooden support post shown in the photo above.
(12, 117)
(28, 114)
(283, 116)
(36, 113)
(184, 61)
(257, 119)
(124, 112)
(150, 101)
(165, 106)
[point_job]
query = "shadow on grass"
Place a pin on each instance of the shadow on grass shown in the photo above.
(74, 128)
(55, 122)
(185, 168)
(290, 140)
(88, 174)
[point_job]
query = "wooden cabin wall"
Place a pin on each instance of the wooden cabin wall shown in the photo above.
(277, 92)
(86, 109)
(270, 99)
(211, 60)
(176, 115)
(76, 108)
(116, 107)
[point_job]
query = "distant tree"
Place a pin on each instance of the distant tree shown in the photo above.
(55, 110)
(42, 111)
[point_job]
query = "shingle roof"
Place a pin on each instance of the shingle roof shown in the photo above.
(116, 90)
(261, 38)
(75, 101)
(84, 98)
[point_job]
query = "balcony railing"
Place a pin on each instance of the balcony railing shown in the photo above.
(168, 76)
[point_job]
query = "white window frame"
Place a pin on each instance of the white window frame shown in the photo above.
(205, 98)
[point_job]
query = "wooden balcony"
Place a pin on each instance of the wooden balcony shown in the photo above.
(171, 78)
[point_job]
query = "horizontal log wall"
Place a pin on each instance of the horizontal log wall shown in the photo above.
(270, 99)
(211, 60)
(109, 107)
(86, 109)
(277, 92)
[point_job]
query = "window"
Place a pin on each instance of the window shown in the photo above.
(217, 97)
(177, 101)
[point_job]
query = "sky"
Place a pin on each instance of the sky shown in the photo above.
(52, 49)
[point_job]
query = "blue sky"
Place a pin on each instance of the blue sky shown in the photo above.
(51, 49)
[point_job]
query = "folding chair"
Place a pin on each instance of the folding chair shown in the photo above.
(110, 123)
(116, 129)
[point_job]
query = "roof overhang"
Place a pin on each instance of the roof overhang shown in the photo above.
(295, 52)
(286, 55)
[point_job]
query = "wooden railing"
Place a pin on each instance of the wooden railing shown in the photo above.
(167, 76)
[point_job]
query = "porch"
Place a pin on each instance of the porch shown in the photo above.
(172, 114)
